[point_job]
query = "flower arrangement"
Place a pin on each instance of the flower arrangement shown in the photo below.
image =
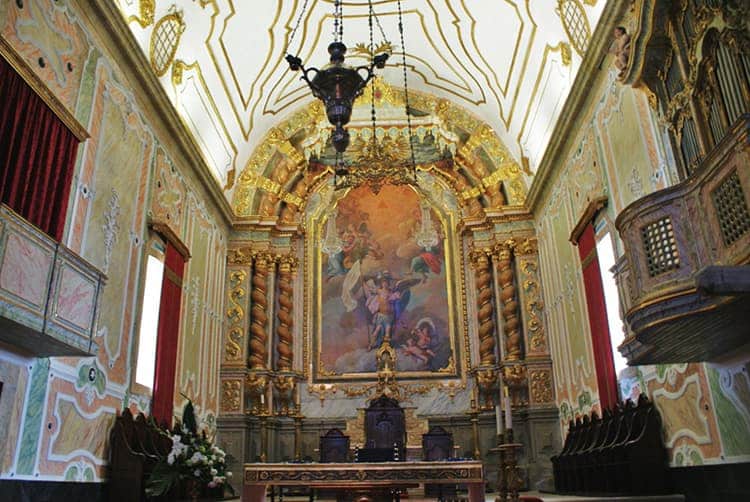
(193, 461)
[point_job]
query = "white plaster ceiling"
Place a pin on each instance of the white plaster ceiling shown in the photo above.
(511, 63)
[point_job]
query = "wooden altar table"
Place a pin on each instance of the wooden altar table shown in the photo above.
(257, 477)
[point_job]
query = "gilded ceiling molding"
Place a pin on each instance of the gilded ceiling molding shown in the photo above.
(18, 63)
(575, 23)
(145, 15)
(165, 38)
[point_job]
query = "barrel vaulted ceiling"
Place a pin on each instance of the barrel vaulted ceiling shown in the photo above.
(510, 63)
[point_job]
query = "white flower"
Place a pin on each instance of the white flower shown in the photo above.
(229, 474)
(212, 484)
(170, 458)
(214, 472)
(197, 473)
(197, 458)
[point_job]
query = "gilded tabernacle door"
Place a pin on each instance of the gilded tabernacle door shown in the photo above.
(384, 270)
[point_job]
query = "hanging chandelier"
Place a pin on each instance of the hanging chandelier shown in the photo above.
(337, 84)
(379, 166)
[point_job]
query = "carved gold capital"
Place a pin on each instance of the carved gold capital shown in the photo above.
(240, 256)
(288, 263)
(480, 257)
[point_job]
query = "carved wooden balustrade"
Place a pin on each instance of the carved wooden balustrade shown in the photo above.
(677, 308)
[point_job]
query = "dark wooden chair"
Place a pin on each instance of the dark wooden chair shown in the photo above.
(334, 446)
(437, 444)
(385, 430)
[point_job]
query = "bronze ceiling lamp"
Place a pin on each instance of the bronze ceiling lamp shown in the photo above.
(337, 84)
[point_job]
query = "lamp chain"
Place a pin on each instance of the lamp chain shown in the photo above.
(406, 91)
(338, 21)
(372, 85)
(296, 25)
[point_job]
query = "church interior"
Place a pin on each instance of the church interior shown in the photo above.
(500, 246)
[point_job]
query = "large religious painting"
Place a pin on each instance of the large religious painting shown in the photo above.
(383, 277)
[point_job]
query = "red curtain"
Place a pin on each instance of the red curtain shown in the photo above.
(168, 336)
(37, 155)
(592, 280)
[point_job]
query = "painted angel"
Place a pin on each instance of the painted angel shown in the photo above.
(386, 300)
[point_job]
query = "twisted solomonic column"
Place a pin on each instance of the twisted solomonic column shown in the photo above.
(259, 313)
(485, 307)
(287, 266)
(509, 300)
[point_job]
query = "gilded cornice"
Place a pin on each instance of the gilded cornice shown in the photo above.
(112, 30)
(568, 122)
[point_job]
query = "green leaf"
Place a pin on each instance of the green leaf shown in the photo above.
(162, 479)
(188, 418)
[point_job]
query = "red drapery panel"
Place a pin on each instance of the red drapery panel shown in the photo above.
(168, 336)
(592, 280)
(37, 155)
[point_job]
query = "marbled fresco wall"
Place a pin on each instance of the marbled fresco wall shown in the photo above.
(618, 151)
(57, 412)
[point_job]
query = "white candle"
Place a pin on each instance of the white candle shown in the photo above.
(262, 399)
(498, 420)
